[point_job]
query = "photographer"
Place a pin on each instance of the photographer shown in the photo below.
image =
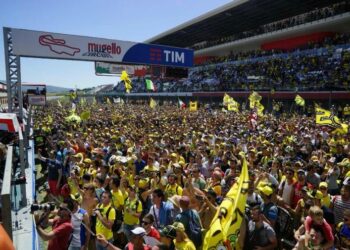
(61, 227)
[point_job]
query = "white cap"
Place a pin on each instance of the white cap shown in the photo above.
(139, 231)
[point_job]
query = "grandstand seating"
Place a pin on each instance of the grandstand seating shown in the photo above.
(318, 66)
(316, 14)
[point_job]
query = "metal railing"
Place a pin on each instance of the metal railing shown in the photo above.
(6, 192)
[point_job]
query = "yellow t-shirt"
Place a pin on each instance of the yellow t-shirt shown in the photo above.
(73, 188)
(100, 228)
(185, 245)
(136, 207)
(326, 201)
(171, 190)
(117, 198)
(217, 190)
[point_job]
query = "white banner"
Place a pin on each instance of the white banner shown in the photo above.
(61, 46)
(54, 45)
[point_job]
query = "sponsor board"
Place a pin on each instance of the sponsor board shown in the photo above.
(61, 46)
(37, 100)
(104, 68)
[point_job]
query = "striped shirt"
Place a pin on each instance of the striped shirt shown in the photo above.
(339, 205)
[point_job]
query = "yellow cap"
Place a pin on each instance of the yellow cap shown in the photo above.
(323, 184)
(266, 190)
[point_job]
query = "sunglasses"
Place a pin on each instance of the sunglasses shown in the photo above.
(145, 223)
(62, 208)
(86, 188)
(289, 173)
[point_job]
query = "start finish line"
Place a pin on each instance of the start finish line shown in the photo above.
(29, 43)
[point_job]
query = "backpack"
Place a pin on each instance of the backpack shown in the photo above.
(116, 225)
(194, 230)
(284, 226)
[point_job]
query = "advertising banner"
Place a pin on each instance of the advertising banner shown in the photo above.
(104, 68)
(37, 100)
(71, 47)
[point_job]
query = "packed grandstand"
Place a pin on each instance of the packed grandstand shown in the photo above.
(205, 161)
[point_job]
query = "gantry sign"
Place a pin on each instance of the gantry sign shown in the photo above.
(40, 44)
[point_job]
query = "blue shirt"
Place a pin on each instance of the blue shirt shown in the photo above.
(139, 166)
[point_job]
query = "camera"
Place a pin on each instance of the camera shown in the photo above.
(43, 207)
(97, 209)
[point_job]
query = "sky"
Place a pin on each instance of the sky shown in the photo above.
(129, 20)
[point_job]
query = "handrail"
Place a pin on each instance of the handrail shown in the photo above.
(6, 192)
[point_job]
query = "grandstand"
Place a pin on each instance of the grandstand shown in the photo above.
(213, 33)
(262, 45)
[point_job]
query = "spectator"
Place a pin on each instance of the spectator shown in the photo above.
(147, 223)
(61, 227)
(316, 220)
(260, 234)
(81, 235)
(343, 231)
(105, 216)
(269, 208)
(286, 187)
(162, 211)
(172, 188)
(190, 220)
(340, 203)
(132, 212)
(182, 242)
(168, 236)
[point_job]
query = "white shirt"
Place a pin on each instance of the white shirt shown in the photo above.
(77, 219)
(286, 192)
(155, 212)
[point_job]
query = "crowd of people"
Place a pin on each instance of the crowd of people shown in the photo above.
(315, 66)
(132, 177)
(316, 14)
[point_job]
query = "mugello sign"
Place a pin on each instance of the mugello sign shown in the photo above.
(41, 44)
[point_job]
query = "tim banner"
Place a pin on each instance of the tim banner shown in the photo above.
(41, 44)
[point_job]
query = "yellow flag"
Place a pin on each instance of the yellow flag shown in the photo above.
(224, 228)
(214, 238)
(238, 193)
(127, 82)
(233, 106)
(193, 106)
(152, 103)
(342, 128)
(299, 100)
(108, 101)
(323, 116)
(253, 99)
(227, 99)
(260, 108)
